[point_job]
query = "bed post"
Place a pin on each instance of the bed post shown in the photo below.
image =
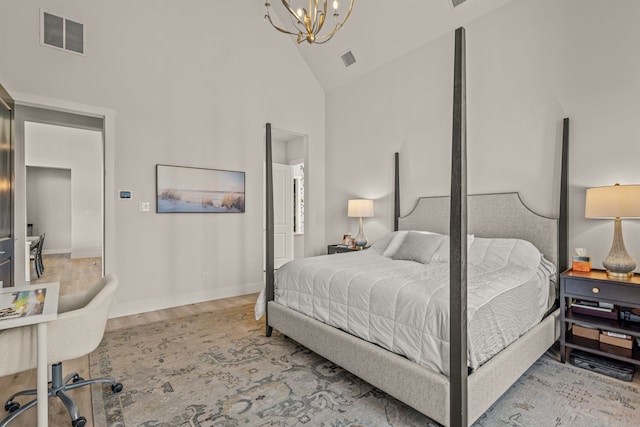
(458, 242)
(563, 222)
(269, 247)
(396, 192)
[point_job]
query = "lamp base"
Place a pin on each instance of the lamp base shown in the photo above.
(361, 240)
(618, 263)
(615, 275)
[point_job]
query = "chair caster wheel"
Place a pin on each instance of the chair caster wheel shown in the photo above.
(77, 378)
(117, 387)
(11, 406)
(80, 422)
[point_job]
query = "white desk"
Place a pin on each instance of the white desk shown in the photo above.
(27, 254)
(49, 313)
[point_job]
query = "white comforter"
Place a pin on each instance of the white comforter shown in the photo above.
(403, 306)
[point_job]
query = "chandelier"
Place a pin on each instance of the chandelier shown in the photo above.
(308, 22)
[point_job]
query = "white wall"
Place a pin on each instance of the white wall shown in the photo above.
(529, 64)
(49, 207)
(80, 151)
(189, 86)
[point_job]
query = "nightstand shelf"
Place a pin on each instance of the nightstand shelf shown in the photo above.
(607, 350)
(600, 323)
(596, 286)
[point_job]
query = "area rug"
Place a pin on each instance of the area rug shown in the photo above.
(218, 369)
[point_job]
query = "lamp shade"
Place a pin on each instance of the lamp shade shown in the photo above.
(614, 201)
(362, 208)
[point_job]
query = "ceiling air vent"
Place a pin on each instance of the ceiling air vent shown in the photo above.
(61, 33)
(348, 59)
(456, 3)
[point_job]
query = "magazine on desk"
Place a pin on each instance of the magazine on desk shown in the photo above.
(22, 303)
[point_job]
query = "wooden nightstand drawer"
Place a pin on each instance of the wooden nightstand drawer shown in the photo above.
(595, 285)
(600, 291)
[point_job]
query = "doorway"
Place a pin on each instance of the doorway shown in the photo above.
(53, 146)
(7, 233)
(49, 210)
(289, 152)
(64, 173)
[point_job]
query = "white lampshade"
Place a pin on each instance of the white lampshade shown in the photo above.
(362, 208)
(614, 201)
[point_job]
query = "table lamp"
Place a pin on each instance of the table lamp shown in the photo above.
(360, 208)
(615, 201)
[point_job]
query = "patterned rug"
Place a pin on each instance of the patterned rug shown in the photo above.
(218, 369)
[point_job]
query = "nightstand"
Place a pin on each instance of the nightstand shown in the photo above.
(595, 286)
(337, 249)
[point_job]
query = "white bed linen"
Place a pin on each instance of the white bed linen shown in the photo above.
(403, 306)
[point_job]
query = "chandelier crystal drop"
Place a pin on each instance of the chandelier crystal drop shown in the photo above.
(309, 21)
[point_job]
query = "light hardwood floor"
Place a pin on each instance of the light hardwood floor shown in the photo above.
(75, 275)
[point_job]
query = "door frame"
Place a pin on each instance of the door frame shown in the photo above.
(108, 183)
(6, 247)
(287, 135)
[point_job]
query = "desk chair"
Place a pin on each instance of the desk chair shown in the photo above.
(76, 332)
(39, 253)
(35, 255)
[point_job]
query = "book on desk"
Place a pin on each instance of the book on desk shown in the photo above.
(27, 302)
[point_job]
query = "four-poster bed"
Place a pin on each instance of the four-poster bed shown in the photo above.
(458, 398)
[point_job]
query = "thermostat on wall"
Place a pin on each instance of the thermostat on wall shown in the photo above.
(125, 194)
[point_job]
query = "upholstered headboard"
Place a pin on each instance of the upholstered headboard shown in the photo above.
(489, 215)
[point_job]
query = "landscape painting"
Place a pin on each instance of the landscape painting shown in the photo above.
(197, 190)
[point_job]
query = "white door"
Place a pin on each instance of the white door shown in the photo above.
(282, 214)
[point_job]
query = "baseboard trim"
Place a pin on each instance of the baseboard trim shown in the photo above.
(87, 254)
(123, 308)
(55, 251)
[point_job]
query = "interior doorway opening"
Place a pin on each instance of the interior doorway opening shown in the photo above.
(289, 151)
(57, 145)
(49, 208)
(65, 205)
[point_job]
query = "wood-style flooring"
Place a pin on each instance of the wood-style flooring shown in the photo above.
(75, 275)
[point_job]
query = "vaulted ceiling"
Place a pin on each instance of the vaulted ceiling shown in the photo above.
(379, 31)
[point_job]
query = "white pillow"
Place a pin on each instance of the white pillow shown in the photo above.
(418, 247)
(383, 243)
(394, 244)
(397, 239)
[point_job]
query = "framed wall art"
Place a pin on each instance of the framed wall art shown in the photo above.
(181, 189)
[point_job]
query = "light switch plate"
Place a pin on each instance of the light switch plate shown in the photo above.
(143, 206)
